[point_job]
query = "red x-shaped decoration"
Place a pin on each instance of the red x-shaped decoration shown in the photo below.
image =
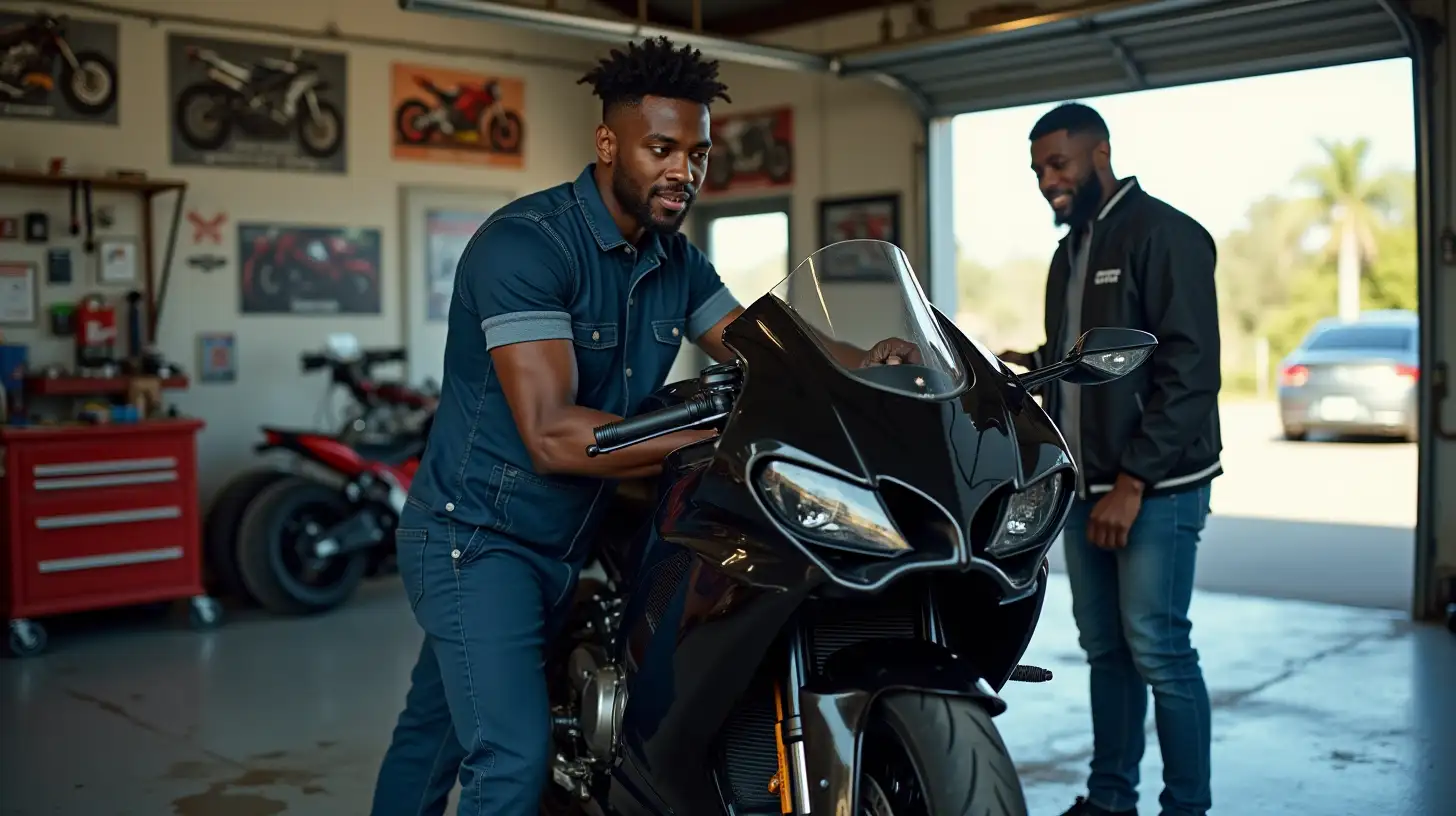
(206, 229)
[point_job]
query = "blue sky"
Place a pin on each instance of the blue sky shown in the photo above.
(1210, 150)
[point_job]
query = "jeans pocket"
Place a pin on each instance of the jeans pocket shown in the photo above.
(410, 544)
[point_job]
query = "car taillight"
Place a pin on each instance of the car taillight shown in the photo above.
(1408, 372)
(1294, 376)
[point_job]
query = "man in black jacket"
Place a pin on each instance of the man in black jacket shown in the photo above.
(1147, 448)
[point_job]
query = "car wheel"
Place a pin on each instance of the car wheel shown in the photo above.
(1295, 434)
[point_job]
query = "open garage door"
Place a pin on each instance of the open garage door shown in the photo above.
(1132, 47)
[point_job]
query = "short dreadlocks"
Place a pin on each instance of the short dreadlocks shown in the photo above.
(655, 68)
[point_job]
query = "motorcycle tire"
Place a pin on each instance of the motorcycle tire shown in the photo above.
(265, 540)
(218, 98)
(507, 133)
(778, 162)
(946, 747)
(404, 117)
(220, 530)
(329, 148)
(99, 63)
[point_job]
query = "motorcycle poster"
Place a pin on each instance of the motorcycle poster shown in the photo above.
(249, 105)
(293, 269)
(58, 69)
(751, 151)
(455, 117)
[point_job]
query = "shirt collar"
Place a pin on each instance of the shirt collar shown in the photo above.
(1128, 185)
(599, 220)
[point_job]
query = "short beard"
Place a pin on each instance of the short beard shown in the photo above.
(638, 203)
(1086, 201)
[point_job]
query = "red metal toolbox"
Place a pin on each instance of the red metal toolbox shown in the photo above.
(98, 517)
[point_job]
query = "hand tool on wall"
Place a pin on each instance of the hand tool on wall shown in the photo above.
(134, 325)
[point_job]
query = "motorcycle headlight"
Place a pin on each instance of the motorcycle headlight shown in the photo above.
(1028, 515)
(829, 511)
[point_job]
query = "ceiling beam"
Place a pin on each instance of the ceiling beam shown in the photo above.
(787, 14)
(628, 9)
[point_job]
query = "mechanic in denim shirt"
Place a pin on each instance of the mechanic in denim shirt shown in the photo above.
(570, 306)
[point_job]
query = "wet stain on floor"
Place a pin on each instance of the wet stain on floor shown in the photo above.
(223, 799)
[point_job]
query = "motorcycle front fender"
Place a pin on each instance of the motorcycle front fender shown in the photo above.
(835, 711)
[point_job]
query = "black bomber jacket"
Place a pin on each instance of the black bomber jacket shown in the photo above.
(1149, 267)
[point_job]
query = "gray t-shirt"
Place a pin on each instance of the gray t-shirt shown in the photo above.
(1071, 395)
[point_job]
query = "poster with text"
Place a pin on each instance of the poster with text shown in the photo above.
(38, 81)
(440, 115)
(294, 269)
(751, 151)
(447, 233)
(243, 104)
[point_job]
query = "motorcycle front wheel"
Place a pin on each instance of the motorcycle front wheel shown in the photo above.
(405, 118)
(935, 755)
(320, 135)
(90, 88)
(779, 163)
(203, 119)
(506, 133)
(278, 529)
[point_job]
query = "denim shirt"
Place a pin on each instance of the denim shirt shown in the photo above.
(553, 266)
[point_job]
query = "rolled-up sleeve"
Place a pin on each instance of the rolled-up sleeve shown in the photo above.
(515, 278)
(709, 301)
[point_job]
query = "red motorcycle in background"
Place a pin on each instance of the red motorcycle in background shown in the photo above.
(300, 540)
(461, 115)
(293, 264)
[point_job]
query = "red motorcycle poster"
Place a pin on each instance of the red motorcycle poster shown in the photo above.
(290, 269)
(751, 151)
(455, 117)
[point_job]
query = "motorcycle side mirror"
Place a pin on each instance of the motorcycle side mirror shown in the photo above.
(1098, 357)
(1105, 354)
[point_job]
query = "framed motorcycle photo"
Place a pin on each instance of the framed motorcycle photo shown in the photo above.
(875, 217)
(297, 269)
(752, 151)
(57, 68)
(456, 117)
(250, 105)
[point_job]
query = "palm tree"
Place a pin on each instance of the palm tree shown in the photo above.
(1352, 205)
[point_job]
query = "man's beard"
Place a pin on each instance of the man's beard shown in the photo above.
(638, 203)
(1086, 200)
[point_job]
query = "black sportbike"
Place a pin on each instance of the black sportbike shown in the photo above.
(839, 583)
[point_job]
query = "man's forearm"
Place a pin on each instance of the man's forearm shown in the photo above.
(563, 444)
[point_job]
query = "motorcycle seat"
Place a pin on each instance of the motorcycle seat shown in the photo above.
(390, 452)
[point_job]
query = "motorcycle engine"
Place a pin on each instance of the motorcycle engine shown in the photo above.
(603, 696)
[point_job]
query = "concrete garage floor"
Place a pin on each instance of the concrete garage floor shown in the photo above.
(1319, 710)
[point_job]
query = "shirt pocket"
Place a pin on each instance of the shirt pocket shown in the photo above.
(596, 353)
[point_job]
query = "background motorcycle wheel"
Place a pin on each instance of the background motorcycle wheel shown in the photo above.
(778, 162)
(96, 66)
(274, 525)
(220, 529)
(935, 754)
(203, 100)
(506, 132)
(321, 148)
(404, 122)
(720, 169)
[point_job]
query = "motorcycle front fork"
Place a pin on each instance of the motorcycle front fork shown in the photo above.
(791, 782)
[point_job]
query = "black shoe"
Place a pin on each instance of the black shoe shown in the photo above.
(1085, 808)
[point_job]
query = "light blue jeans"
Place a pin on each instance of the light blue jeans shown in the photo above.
(1131, 608)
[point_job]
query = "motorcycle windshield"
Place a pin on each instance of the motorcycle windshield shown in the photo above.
(864, 307)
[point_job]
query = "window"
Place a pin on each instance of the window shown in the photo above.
(1371, 338)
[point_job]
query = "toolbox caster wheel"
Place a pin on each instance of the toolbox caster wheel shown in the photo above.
(27, 638)
(205, 613)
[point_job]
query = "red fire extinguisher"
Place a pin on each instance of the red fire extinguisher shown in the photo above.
(95, 332)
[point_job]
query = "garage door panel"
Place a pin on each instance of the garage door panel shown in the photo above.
(1161, 43)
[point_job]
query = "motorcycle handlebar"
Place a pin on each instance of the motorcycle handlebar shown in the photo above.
(313, 362)
(625, 432)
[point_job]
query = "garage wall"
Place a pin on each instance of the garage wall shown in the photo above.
(852, 137)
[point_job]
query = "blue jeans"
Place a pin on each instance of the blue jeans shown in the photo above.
(477, 702)
(1131, 607)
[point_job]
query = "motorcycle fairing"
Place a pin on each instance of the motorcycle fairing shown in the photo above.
(345, 460)
(972, 447)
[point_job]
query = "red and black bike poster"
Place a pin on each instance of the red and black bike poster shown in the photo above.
(751, 151)
(292, 269)
(441, 115)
